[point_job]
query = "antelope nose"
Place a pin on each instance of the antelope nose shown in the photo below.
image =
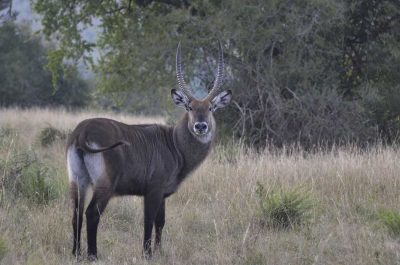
(201, 127)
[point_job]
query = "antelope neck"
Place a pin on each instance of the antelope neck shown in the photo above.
(192, 150)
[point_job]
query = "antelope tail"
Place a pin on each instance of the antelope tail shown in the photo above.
(88, 149)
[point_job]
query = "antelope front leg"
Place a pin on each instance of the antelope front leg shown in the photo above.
(159, 224)
(152, 202)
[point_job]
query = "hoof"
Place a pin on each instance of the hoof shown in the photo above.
(147, 255)
(158, 249)
(76, 254)
(92, 257)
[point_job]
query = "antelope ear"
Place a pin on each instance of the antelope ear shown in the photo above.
(179, 98)
(221, 100)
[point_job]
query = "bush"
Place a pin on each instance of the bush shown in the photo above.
(49, 135)
(391, 220)
(313, 118)
(284, 209)
(35, 184)
(27, 177)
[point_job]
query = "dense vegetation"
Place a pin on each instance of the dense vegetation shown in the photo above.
(24, 78)
(307, 72)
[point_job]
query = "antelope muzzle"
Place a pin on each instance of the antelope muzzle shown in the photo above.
(200, 128)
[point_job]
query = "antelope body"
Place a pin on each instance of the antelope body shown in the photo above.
(146, 160)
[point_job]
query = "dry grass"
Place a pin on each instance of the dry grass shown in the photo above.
(215, 216)
(31, 121)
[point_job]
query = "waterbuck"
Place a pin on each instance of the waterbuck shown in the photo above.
(147, 160)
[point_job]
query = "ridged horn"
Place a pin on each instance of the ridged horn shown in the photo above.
(220, 74)
(179, 74)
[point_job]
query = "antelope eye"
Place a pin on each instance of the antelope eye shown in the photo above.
(210, 108)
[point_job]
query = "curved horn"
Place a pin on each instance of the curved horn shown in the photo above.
(179, 75)
(220, 74)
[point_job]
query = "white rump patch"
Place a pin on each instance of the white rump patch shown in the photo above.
(94, 163)
(76, 170)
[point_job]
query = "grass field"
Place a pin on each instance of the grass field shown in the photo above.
(216, 216)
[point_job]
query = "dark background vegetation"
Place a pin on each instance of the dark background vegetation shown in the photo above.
(25, 80)
(302, 72)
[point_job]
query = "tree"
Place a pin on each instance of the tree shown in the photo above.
(6, 11)
(24, 80)
(372, 59)
(295, 75)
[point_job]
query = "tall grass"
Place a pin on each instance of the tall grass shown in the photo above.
(215, 216)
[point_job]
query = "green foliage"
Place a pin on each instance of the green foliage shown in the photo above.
(24, 80)
(391, 220)
(25, 176)
(34, 184)
(384, 108)
(298, 69)
(49, 135)
(284, 208)
(55, 65)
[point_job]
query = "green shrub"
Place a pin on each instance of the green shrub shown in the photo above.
(25, 176)
(49, 135)
(284, 208)
(36, 184)
(391, 220)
